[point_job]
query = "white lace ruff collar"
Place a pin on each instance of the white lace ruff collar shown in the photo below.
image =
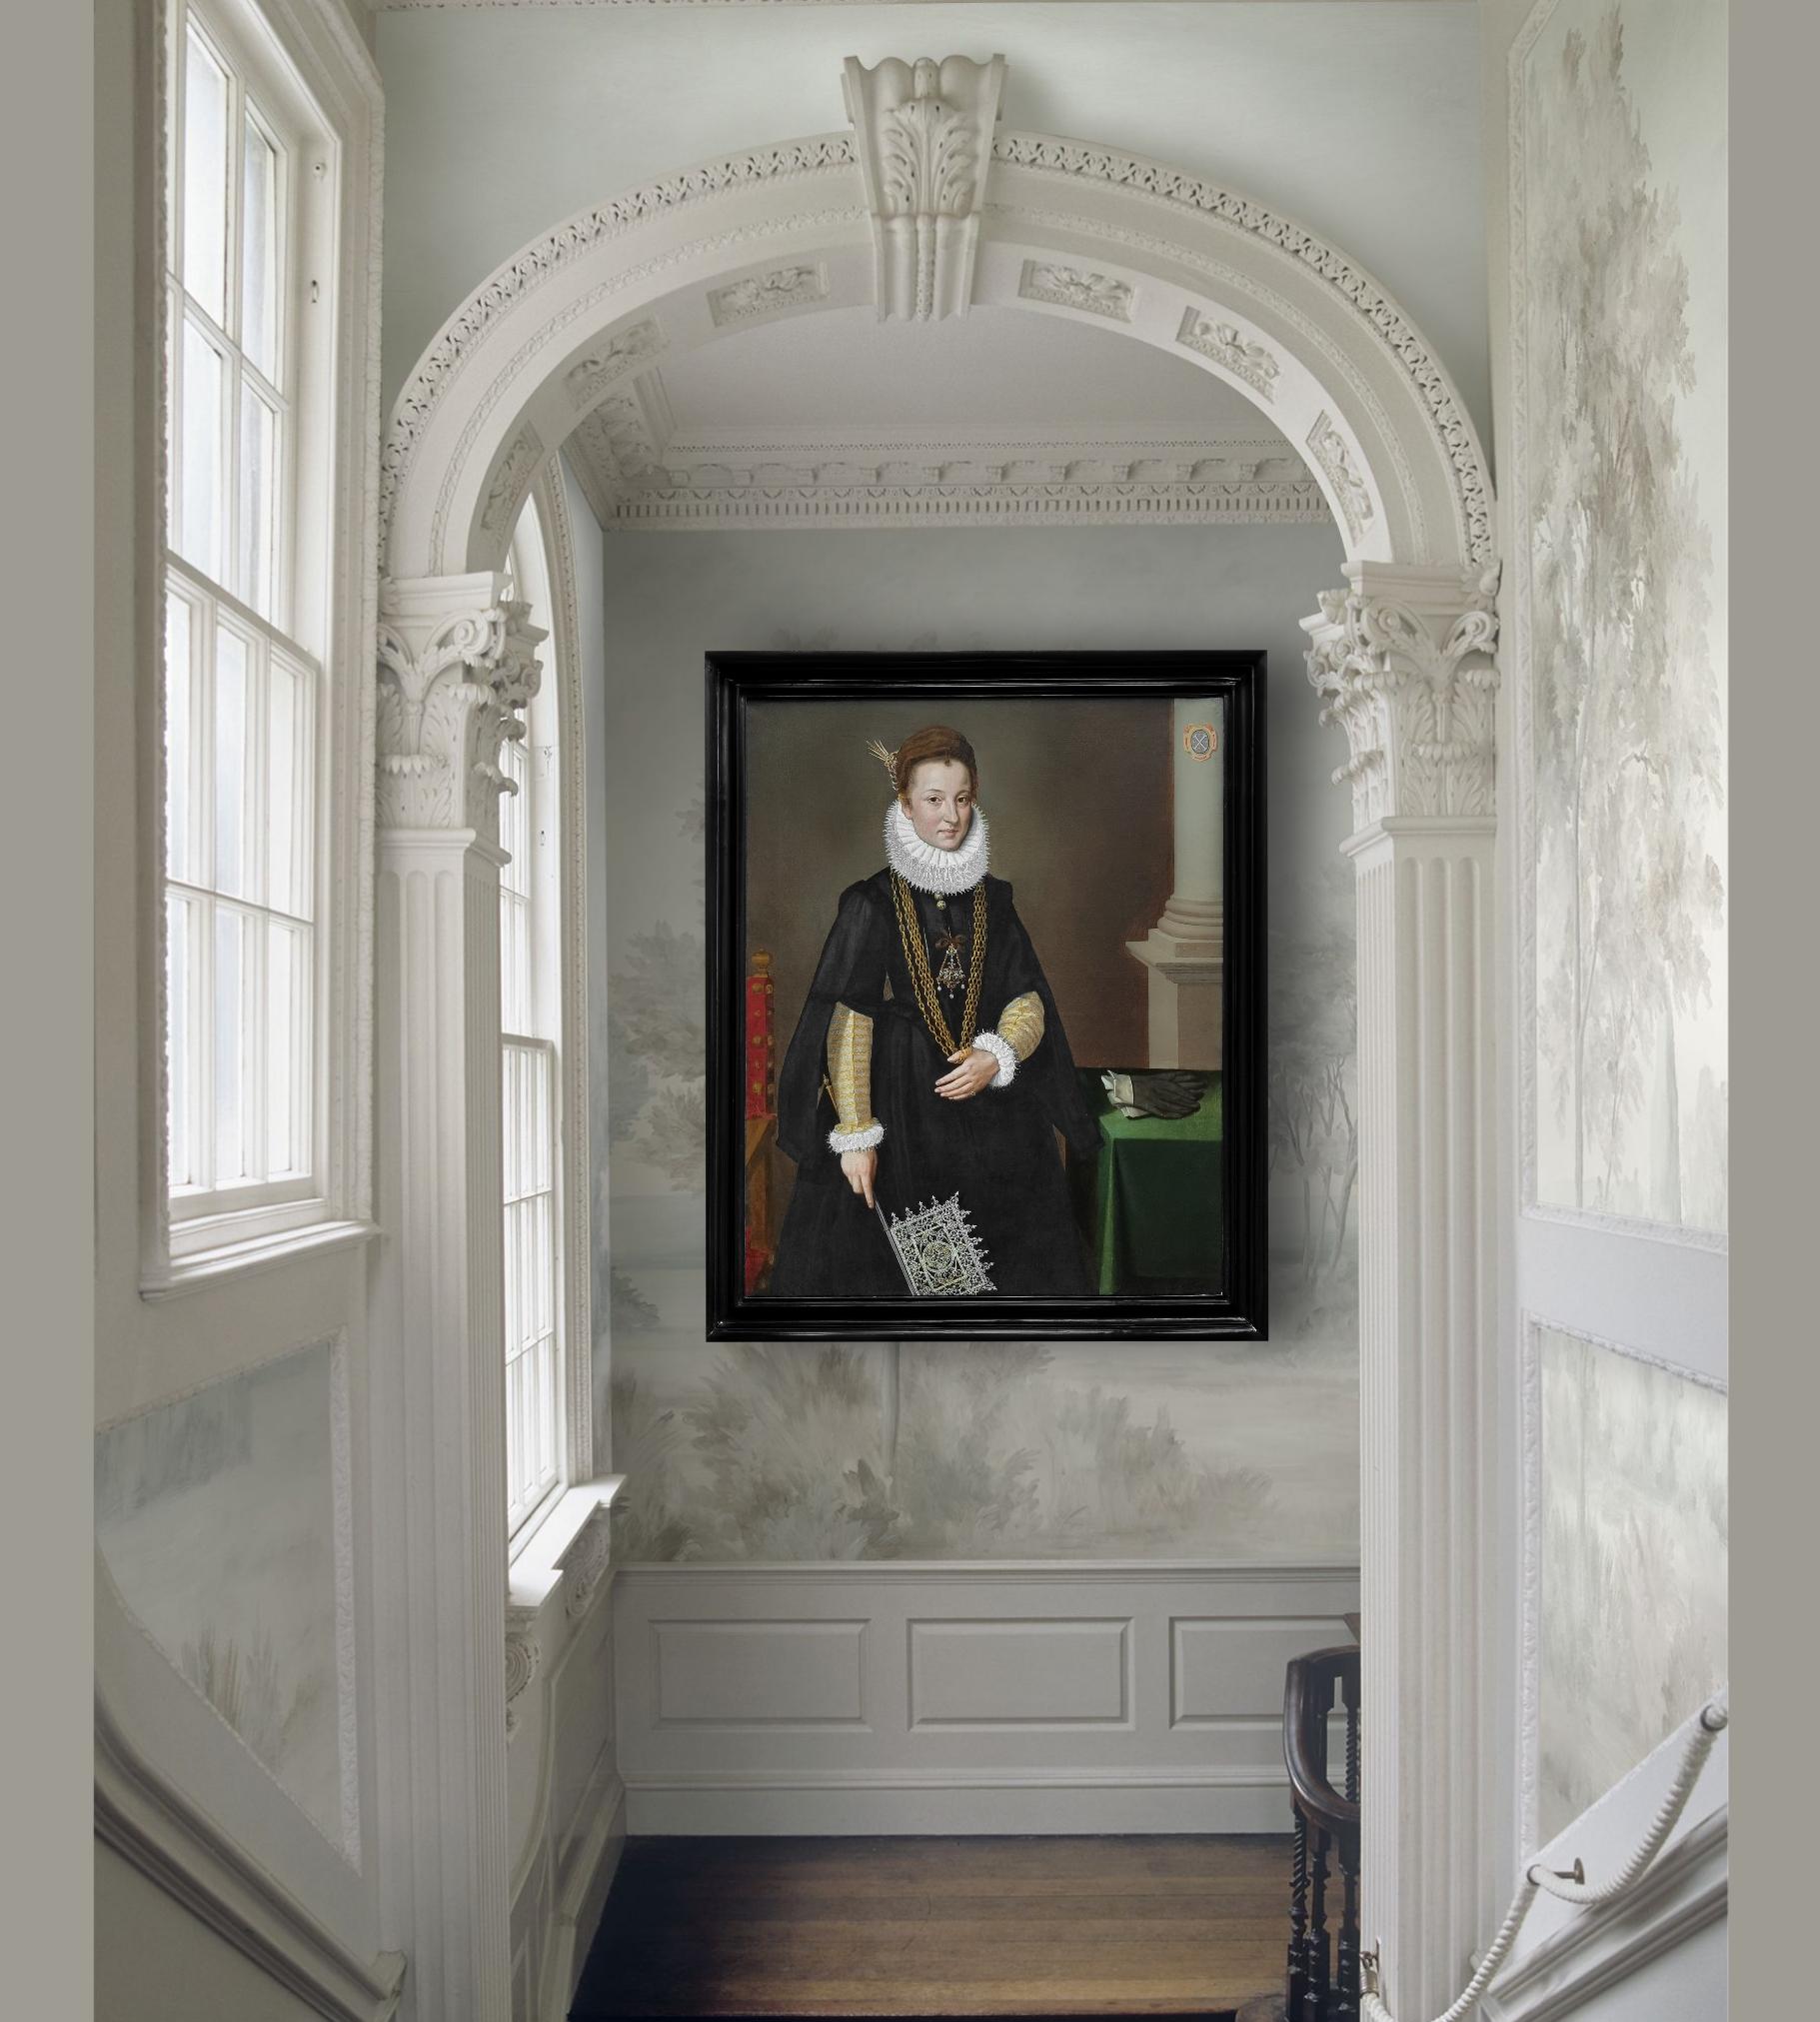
(943, 872)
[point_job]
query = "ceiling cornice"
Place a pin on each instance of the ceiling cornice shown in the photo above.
(636, 475)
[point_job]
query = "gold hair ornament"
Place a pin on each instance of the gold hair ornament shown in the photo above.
(886, 758)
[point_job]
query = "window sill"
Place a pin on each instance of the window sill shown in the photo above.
(229, 1260)
(536, 1568)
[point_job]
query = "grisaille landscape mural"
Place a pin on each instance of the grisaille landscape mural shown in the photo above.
(976, 1449)
(216, 1516)
(1633, 1564)
(1621, 510)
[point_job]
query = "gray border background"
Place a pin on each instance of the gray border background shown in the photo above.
(47, 151)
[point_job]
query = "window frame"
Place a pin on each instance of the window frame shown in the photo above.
(558, 970)
(311, 86)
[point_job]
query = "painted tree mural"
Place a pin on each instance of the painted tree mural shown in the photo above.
(1628, 725)
(1313, 1085)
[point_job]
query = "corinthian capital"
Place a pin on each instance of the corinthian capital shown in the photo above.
(1404, 661)
(457, 665)
(925, 132)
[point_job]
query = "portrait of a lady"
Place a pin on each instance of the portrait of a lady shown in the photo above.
(929, 1061)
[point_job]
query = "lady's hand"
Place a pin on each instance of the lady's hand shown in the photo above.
(974, 1069)
(862, 1169)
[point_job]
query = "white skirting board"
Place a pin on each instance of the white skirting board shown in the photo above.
(1039, 1697)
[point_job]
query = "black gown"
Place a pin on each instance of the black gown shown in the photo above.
(997, 1148)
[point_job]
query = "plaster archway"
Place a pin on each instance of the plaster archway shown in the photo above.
(1291, 322)
(1401, 654)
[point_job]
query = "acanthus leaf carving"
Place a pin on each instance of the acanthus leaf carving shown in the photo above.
(1330, 449)
(1227, 345)
(611, 359)
(925, 134)
(454, 676)
(523, 1659)
(1412, 681)
(760, 295)
(1077, 288)
(511, 484)
(585, 1562)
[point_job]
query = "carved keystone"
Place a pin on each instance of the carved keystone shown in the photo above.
(925, 133)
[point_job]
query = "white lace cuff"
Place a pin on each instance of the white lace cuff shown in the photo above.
(1001, 1051)
(856, 1141)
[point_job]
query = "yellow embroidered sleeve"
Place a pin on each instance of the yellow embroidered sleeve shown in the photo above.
(1021, 1025)
(850, 1079)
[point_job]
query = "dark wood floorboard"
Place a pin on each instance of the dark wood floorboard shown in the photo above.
(1043, 1925)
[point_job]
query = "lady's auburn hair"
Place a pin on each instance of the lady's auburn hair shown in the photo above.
(935, 744)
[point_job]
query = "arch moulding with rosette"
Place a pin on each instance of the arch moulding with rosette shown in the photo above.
(1401, 654)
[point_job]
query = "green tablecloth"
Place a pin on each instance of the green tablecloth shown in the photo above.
(1152, 1203)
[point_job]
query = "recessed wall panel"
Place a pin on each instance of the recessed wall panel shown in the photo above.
(1020, 1673)
(760, 1674)
(1225, 1668)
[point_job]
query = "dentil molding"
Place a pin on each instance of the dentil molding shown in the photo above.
(457, 665)
(925, 134)
(1404, 661)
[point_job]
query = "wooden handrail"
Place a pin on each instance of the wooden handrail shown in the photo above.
(1321, 1978)
(1308, 1688)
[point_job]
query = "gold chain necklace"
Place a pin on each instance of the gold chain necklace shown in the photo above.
(910, 932)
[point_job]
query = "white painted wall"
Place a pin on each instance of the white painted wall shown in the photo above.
(1357, 117)
(154, 1962)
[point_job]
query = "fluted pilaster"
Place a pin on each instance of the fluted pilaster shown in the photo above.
(1402, 657)
(457, 664)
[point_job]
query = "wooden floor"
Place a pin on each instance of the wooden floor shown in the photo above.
(1170, 1925)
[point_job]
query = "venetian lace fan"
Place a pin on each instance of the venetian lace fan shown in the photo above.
(938, 1251)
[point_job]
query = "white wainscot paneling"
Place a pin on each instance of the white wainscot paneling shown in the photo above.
(1032, 1697)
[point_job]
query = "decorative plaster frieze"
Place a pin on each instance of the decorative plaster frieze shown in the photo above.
(1452, 427)
(617, 440)
(1230, 348)
(824, 156)
(457, 665)
(1406, 667)
(585, 1562)
(814, 477)
(925, 134)
(1002, 504)
(511, 484)
(1328, 448)
(1077, 288)
(761, 295)
(524, 1658)
(610, 360)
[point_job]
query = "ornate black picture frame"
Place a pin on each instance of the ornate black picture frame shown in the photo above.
(1121, 789)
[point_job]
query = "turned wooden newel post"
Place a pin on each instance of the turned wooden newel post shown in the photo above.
(457, 666)
(1404, 661)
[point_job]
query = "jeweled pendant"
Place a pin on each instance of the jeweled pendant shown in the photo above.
(952, 976)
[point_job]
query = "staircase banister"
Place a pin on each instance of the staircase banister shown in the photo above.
(1303, 1714)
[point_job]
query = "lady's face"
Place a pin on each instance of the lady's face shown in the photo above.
(941, 801)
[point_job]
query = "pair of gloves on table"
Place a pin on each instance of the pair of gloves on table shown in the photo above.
(1170, 1093)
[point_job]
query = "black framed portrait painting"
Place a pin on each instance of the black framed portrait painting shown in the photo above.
(985, 995)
